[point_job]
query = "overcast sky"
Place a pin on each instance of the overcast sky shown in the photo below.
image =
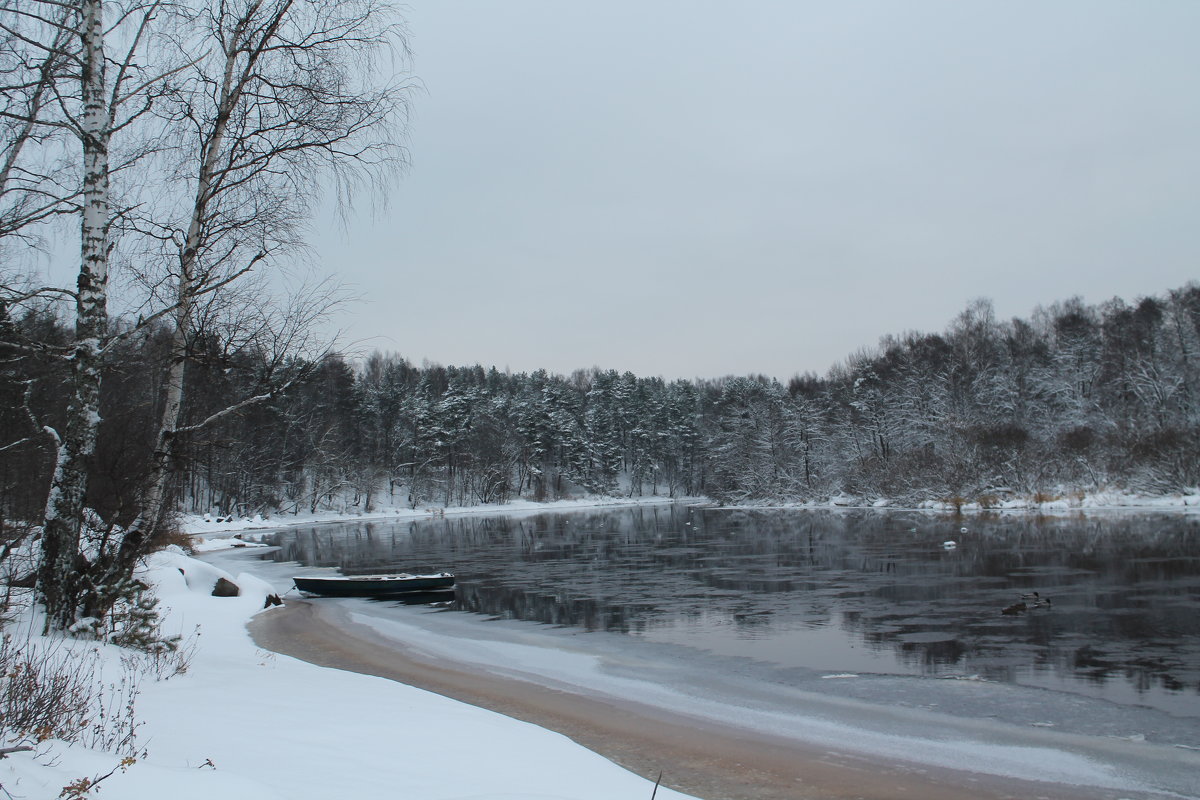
(698, 189)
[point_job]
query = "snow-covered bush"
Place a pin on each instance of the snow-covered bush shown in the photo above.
(136, 624)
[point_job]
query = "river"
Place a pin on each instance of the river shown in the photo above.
(832, 592)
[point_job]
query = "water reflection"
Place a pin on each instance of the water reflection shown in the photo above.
(776, 586)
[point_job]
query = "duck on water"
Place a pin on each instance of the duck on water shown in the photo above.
(1034, 599)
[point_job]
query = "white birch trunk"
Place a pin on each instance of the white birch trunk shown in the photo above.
(162, 467)
(58, 582)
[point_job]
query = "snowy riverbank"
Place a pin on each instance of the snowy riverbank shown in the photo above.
(210, 525)
(245, 724)
(1102, 501)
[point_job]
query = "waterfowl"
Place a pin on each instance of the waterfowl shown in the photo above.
(1038, 600)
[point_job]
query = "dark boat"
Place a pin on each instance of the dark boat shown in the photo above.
(373, 585)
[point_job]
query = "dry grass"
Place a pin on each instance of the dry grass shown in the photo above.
(173, 535)
(957, 501)
(50, 690)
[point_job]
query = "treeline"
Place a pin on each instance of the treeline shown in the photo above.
(1077, 397)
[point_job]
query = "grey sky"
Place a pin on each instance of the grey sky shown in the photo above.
(697, 189)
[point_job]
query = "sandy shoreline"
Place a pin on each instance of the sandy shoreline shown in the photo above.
(699, 757)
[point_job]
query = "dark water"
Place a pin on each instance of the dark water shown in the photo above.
(865, 592)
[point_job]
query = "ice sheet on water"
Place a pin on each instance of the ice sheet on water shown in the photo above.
(1012, 730)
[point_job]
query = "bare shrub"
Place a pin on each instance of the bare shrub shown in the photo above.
(16, 565)
(81, 788)
(49, 690)
(173, 535)
(988, 501)
(164, 663)
(956, 502)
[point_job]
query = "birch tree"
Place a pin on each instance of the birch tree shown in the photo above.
(286, 94)
(63, 81)
(244, 107)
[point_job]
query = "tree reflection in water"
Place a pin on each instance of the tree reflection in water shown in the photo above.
(1125, 588)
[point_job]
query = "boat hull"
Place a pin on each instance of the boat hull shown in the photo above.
(373, 585)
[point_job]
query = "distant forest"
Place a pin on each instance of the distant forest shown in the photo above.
(1075, 398)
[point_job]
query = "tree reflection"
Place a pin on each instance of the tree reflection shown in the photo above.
(1125, 589)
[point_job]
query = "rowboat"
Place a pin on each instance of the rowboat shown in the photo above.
(373, 585)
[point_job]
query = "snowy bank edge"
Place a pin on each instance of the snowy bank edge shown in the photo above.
(1114, 501)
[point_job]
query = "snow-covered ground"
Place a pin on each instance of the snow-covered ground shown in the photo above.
(1004, 501)
(1108, 500)
(203, 525)
(244, 724)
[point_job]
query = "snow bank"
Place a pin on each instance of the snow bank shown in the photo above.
(249, 725)
(208, 526)
(1106, 500)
